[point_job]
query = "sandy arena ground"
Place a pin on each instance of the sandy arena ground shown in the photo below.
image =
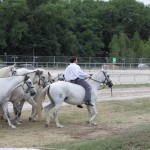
(117, 93)
(105, 95)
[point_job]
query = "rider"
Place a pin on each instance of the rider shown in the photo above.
(74, 74)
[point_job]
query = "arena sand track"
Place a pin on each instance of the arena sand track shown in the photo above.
(110, 122)
(105, 95)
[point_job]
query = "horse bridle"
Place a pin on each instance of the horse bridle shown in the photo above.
(99, 81)
(103, 81)
(29, 87)
(13, 72)
(41, 79)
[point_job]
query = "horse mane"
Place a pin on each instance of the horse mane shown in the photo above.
(96, 75)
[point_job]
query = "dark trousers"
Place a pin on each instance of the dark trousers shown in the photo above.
(86, 86)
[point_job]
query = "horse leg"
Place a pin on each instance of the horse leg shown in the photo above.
(33, 115)
(56, 111)
(1, 113)
(19, 109)
(34, 105)
(16, 113)
(47, 116)
(89, 111)
(5, 109)
(93, 113)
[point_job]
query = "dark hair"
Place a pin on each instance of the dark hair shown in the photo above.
(72, 59)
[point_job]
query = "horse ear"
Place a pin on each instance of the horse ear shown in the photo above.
(40, 72)
(49, 74)
(14, 65)
(105, 68)
(26, 77)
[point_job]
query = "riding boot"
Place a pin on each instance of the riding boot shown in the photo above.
(79, 106)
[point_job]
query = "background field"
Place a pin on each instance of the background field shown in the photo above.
(121, 125)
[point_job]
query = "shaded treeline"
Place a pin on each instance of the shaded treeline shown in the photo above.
(118, 28)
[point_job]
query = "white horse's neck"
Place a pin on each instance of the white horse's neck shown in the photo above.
(9, 84)
(96, 80)
(23, 71)
(15, 80)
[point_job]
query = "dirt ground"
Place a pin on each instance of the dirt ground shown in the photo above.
(110, 122)
(105, 95)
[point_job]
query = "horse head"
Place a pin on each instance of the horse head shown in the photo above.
(56, 77)
(44, 77)
(107, 80)
(13, 70)
(28, 85)
(61, 77)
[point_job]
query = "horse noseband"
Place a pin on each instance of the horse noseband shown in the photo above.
(110, 84)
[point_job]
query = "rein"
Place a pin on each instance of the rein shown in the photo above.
(99, 82)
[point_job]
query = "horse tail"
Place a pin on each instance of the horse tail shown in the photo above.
(39, 101)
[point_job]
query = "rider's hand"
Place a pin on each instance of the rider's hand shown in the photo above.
(89, 76)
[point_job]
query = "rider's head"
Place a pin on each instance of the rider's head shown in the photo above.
(73, 59)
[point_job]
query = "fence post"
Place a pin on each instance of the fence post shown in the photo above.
(54, 60)
(89, 62)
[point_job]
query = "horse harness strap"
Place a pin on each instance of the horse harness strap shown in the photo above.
(27, 91)
(99, 81)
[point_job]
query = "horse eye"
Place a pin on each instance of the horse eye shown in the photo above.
(108, 76)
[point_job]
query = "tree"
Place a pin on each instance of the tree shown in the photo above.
(137, 45)
(114, 46)
(13, 25)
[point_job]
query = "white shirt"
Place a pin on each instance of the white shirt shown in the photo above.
(74, 71)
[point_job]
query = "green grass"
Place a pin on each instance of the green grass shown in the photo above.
(133, 138)
(122, 125)
(137, 138)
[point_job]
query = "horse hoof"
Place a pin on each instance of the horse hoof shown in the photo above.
(17, 123)
(30, 119)
(33, 120)
(88, 122)
(46, 125)
(13, 127)
(94, 123)
(60, 126)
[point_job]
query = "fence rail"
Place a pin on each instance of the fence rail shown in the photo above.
(63, 61)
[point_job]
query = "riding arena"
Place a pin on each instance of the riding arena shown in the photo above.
(28, 95)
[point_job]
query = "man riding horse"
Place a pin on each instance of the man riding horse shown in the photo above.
(74, 74)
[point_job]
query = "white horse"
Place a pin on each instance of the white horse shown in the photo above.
(40, 78)
(7, 71)
(74, 94)
(50, 78)
(56, 77)
(8, 85)
(20, 93)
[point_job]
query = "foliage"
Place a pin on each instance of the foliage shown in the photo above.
(75, 27)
